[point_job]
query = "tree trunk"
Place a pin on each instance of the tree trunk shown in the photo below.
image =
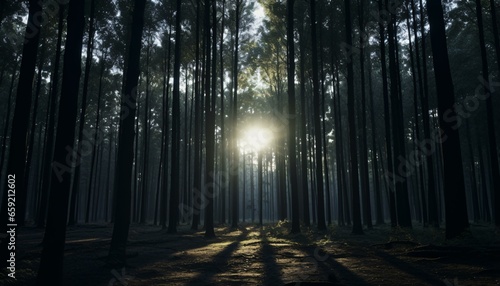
(389, 175)
(18, 142)
(353, 156)
(259, 167)
(32, 130)
(490, 92)
(223, 140)
(125, 155)
(292, 157)
(234, 169)
(51, 262)
(49, 145)
(363, 163)
(303, 129)
(197, 128)
(88, 63)
(317, 124)
(431, 175)
(454, 187)
(94, 145)
(7, 117)
(401, 188)
(496, 35)
(174, 175)
(379, 210)
(210, 120)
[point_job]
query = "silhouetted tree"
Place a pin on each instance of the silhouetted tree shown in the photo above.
(51, 262)
(454, 186)
(125, 155)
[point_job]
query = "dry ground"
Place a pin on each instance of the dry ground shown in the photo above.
(270, 256)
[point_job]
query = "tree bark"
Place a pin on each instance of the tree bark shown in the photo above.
(51, 262)
(317, 125)
(174, 175)
(18, 143)
(125, 155)
(454, 187)
(292, 157)
(353, 156)
(495, 170)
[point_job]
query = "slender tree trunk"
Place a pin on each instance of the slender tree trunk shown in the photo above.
(303, 127)
(496, 34)
(32, 131)
(292, 157)
(210, 120)
(485, 201)
(495, 170)
(162, 164)
(174, 175)
(95, 143)
(222, 120)
(259, 160)
(379, 211)
(339, 146)
(234, 169)
(145, 167)
(317, 124)
(472, 174)
(166, 122)
(7, 117)
(108, 175)
(365, 182)
(136, 180)
(353, 156)
(387, 116)
(49, 145)
(416, 132)
(86, 77)
(125, 155)
(431, 175)
(197, 127)
(323, 133)
(403, 208)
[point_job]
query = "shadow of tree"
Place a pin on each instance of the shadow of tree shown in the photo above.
(272, 271)
(218, 263)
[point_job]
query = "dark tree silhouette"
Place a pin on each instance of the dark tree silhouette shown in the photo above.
(357, 228)
(51, 262)
(174, 175)
(210, 95)
(454, 186)
(495, 170)
(317, 125)
(125, 155)
(20, 123)
(292, 157)
(49, 144)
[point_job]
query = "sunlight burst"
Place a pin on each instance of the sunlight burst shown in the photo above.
(255, 138)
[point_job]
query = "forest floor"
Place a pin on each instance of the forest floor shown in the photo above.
(250, 255)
